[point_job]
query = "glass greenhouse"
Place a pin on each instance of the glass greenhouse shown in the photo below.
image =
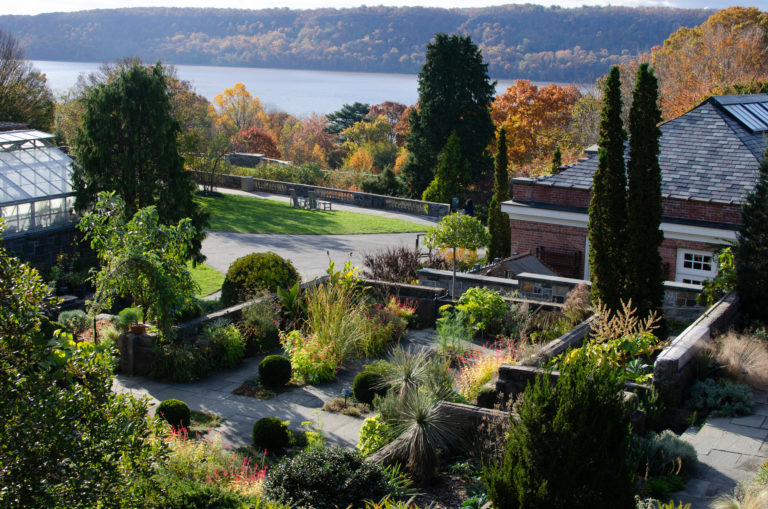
(35, 183)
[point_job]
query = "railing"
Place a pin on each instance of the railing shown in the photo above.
(367, 200)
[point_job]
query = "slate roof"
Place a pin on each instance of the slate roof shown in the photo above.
(705, 155)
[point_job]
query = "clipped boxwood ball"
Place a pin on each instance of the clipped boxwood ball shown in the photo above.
(486, 398)
(254, 273)
(367, 385)
(275, 370)
(175, 412)
(270, 433)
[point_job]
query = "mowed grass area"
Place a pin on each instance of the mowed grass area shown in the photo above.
(243, 214)
(208, 279)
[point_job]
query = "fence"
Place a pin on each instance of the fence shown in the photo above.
(367, 200)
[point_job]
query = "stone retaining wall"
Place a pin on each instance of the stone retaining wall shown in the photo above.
(366, 200)
(673, 370)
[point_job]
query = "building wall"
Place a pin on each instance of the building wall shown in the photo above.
(672, 208)
(40, 248)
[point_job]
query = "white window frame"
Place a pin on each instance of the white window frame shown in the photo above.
(692, 275)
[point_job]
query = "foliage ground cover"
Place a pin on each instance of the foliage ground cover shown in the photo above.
(244, 214)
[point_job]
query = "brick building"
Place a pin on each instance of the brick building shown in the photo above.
(709, 159)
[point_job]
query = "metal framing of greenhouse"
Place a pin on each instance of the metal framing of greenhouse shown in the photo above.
(35, 183)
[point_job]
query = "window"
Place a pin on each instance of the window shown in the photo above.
(695, 266)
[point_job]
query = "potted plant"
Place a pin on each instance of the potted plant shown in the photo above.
(130, 319)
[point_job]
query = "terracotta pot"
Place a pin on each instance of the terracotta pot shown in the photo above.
(138, 328)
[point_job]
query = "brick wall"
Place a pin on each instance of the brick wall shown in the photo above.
(40, 248)
(672, 208)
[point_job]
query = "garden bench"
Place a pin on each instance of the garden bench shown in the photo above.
(296, 202)
(314, 203)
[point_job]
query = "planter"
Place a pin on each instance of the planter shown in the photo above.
(138, 328)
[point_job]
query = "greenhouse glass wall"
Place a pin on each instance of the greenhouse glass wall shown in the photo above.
(35, 183)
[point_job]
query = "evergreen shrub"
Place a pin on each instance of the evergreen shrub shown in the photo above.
(720, 397)
(255, 273)
(275, 370)
(367, 385)
(326, 478)
(175, 412)
(271, 433)
(75, 321)
(570, 447)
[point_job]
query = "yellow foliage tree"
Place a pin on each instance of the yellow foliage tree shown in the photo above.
(237, 108)
(728, 48)
(361, 161)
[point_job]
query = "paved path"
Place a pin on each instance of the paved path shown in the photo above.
(730, 451)
(310, 254)
(298, 404)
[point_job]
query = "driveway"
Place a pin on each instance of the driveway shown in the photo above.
(309, 253)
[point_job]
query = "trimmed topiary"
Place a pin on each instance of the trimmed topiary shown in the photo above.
(367, 385)
(270, 433)
(486, 398)
(255, 273)
(275, 370)
(175, 412)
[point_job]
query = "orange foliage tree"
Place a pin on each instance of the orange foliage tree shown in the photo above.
(728, 48)
(392, 112)
(256, 141)
(536, 119)
(306, 141)
(237, 108)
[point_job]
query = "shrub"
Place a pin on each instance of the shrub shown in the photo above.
(259, 326)
(367, 385)
(175, 412)
(129, 316)
(326, 478)
(180, 363)
(226, 344)
(374, 434)
(75, 321)
(484, 310)
(720, 397)
(744, 359)
(396, 264)
(578, 425)
(271, 433)
(275, 370)
(254, 273)
(665, 453)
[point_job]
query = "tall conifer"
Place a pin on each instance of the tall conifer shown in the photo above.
(752, 250)
(645, 280)
(498, 222)
(607, 209)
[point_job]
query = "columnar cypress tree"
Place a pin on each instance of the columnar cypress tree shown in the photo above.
(752, 250)
(607, 209)
(498, 222)
(452, 173)
(645, 281)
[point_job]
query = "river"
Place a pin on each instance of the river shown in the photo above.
(297, 92)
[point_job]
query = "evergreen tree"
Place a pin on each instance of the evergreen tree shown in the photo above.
(128, 144)
(557, 159)
(570, 447)
(498, 222)
(455, 94)
(752, 250)
(607, 209)
(451, 176)
(645, 279)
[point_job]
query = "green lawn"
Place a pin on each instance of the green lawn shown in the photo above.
(233, 213)
(209, 279)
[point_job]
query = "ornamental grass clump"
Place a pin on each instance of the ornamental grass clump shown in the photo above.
(743, 358)
(478, 367)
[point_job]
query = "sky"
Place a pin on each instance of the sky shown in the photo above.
(41, 6)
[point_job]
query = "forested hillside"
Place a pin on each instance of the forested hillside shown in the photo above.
(518, 41)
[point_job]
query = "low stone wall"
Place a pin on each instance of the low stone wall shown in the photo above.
(571, 339)
(679, 298)
(367, 200)
(673, 370)
(425, 300)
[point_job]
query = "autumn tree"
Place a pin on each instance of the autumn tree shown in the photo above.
(498, 221)
(24, 93)
(645, 279)
(392, 112)
(452, 173)
(584, 126)
(455, 93)
(729, 47)
(307, 141)
(536, 119)
(237, 108)
(255, 141)
(128, 143)
(607, 208)
(373, 136)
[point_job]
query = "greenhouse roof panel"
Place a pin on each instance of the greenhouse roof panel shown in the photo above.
(32, 169)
